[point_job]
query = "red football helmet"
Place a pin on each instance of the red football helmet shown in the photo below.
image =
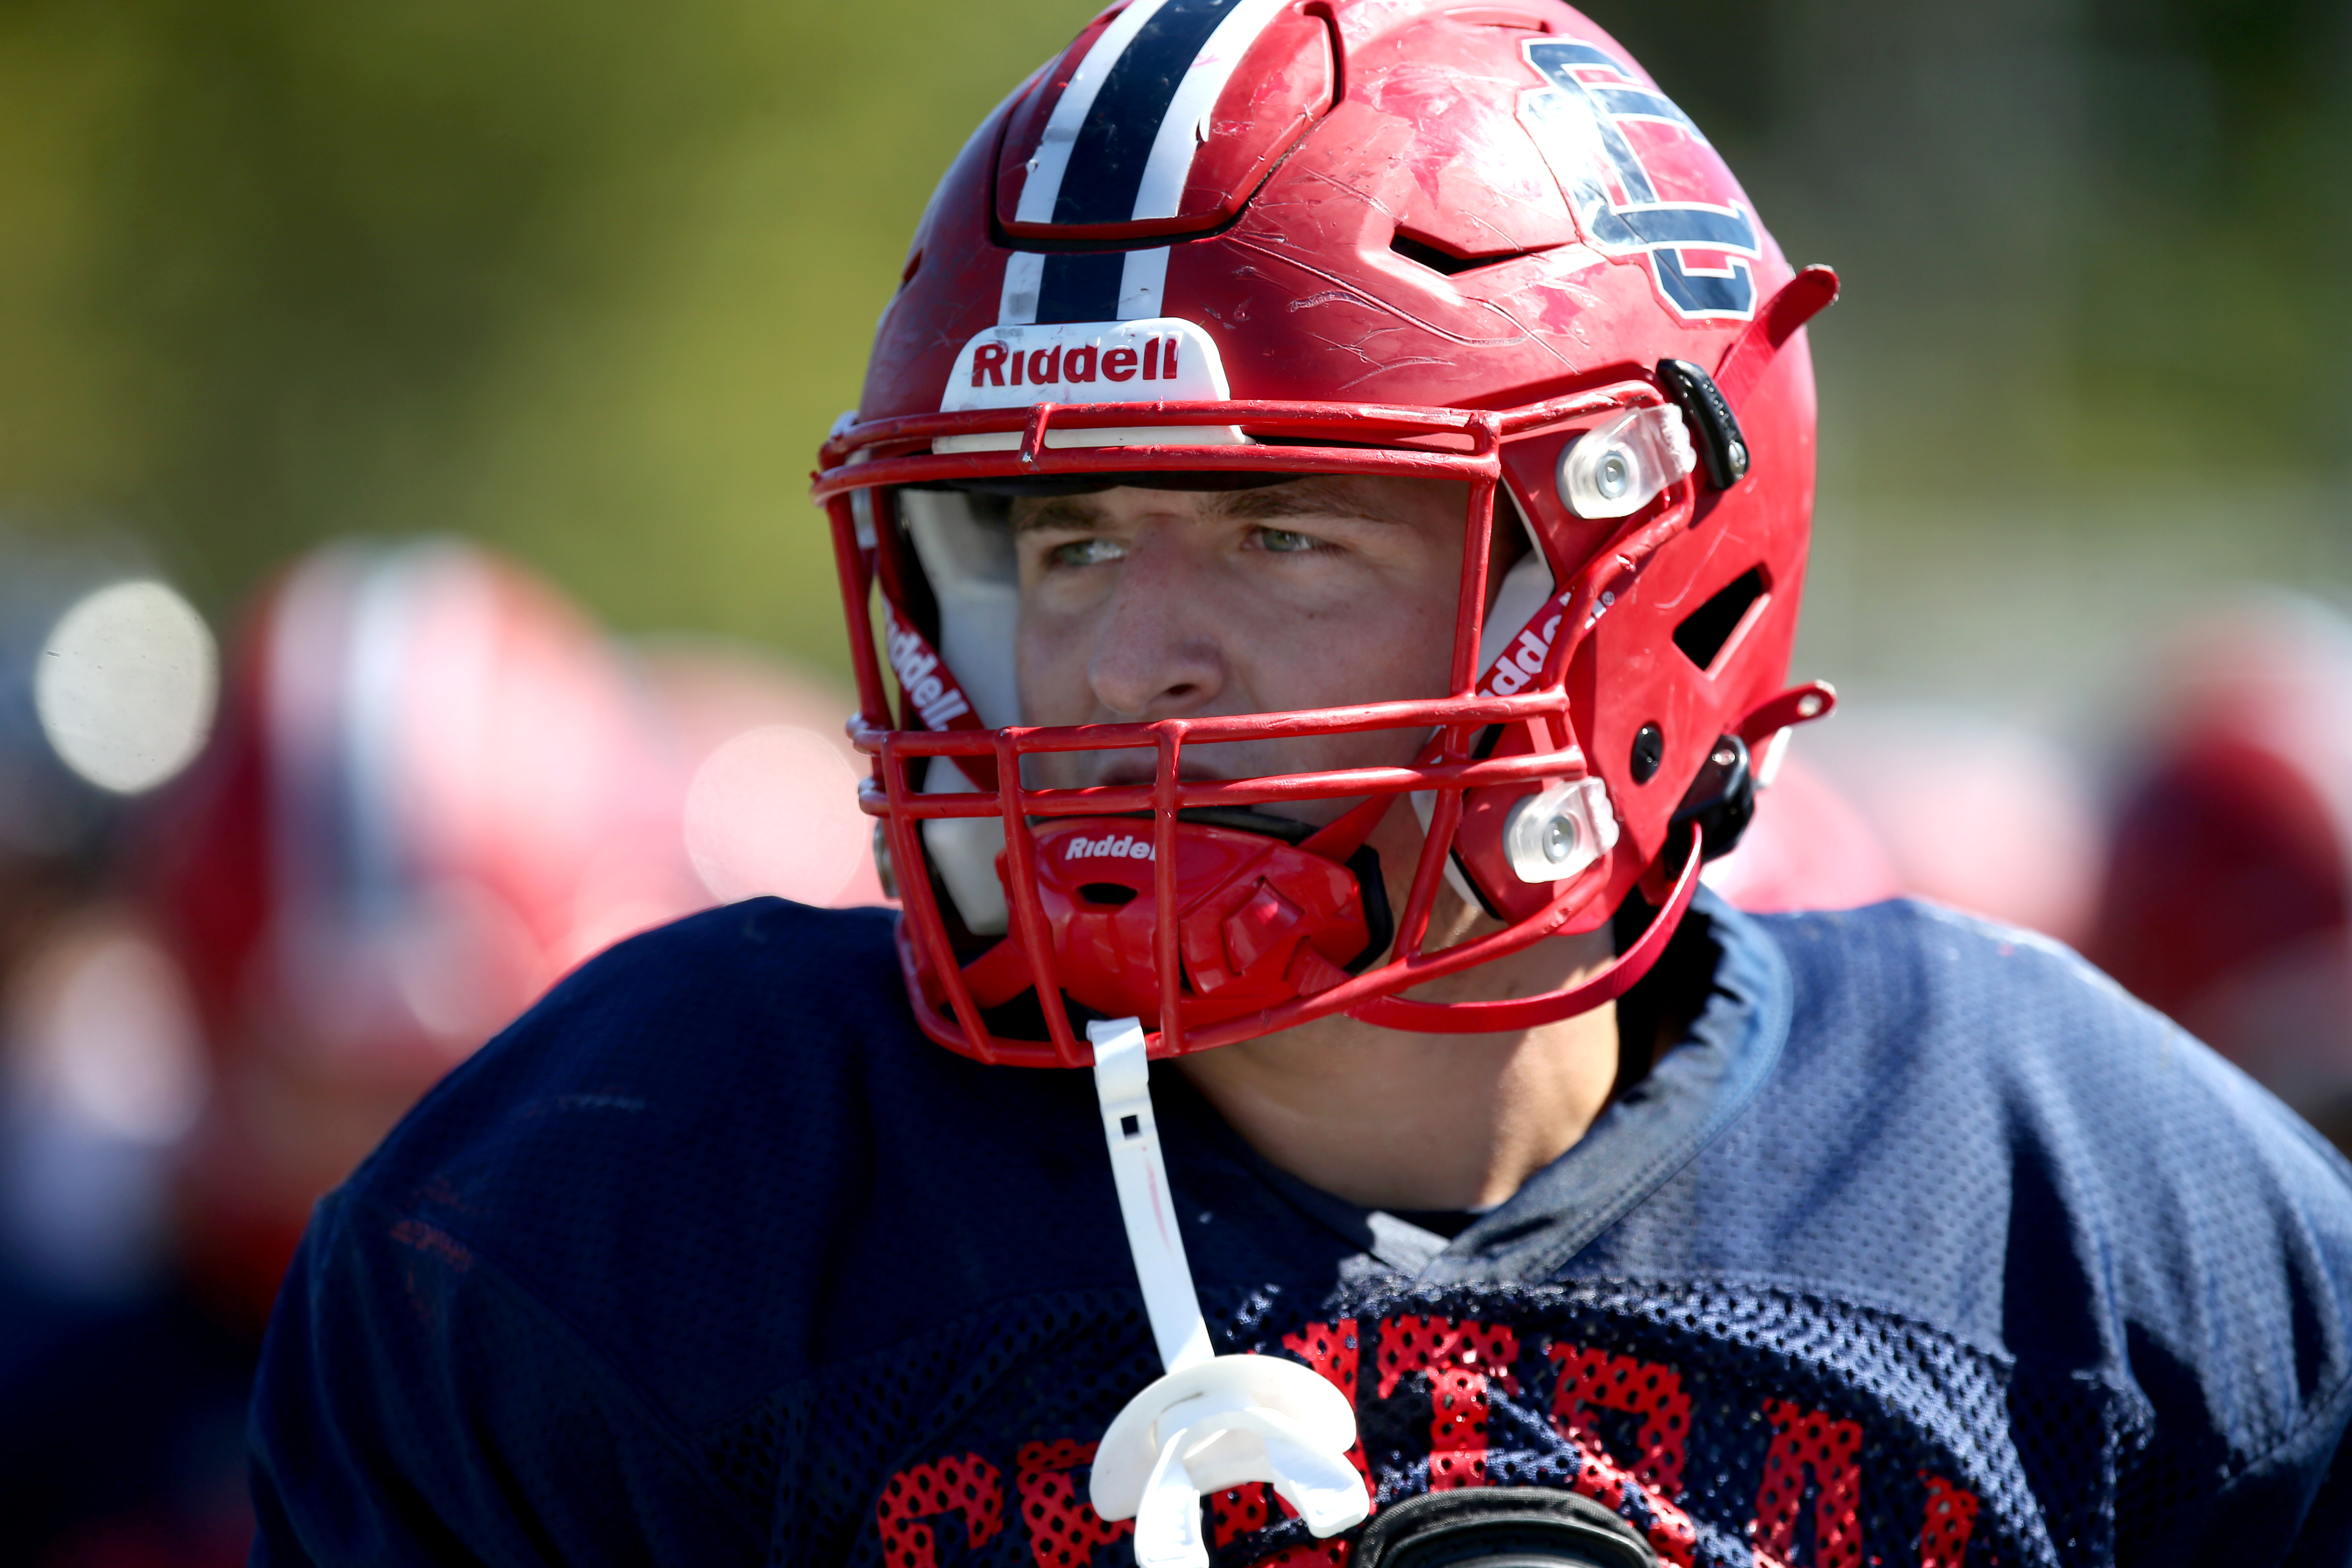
(2226, 900)
(1224, 238)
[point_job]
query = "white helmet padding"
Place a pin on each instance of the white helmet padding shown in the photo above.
(968, 560)
(1525, 587)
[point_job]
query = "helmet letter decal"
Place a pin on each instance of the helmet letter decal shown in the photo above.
(1595, 123)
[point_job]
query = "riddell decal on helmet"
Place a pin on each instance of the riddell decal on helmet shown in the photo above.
(1156, 360)
(929, 689)
(1643, 179)
(1110, 846)
(1524, 659)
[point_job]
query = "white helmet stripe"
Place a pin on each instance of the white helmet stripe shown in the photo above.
(1184, 127)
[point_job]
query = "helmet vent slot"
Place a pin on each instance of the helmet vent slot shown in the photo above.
(1112, 893)
(1437, 260)
(1705, 632)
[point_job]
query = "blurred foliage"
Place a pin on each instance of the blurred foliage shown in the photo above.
(2086, 242)
(589, 281)
(582, 280)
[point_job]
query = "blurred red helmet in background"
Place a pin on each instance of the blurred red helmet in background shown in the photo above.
(2228, 896)
(435, 788)
(438, 788)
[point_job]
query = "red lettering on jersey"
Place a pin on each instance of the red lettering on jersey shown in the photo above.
(1237, 1510)
(1460, 1359)
(1808, 1442)
(965, 1484)
(1064, 1531)
(1330, 1349)
(1951, 1519)
(1596, 1380)
(1334, 1350)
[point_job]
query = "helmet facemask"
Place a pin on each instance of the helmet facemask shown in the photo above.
(1257, 903)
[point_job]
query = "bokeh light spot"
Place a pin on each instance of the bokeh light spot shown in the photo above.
(774, 810)
(126, 686)
(119, 1038)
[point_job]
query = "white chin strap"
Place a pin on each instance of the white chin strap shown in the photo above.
(1214, 1421)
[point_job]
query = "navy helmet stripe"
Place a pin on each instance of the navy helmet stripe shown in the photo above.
(1114, 143)
(1081, 286)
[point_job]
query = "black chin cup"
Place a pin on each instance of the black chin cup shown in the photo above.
(1501, 1527)
(1722, 799)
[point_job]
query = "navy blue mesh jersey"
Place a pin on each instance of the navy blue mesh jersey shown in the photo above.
(1926, 1247)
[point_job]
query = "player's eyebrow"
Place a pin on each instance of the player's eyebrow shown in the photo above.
(1316, 496)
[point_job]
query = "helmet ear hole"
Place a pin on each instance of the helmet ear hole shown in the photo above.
(1705, 632)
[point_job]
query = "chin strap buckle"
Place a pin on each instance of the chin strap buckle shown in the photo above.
(1214, 1421)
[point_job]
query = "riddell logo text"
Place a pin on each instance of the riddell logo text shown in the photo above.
(1110, 846)
(917, 668)
(1075, 365)
(1524, 659)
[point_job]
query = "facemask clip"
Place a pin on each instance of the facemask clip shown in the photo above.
(1617, 468)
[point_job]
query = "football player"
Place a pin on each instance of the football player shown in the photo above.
(2227, 901)
(1321, 538)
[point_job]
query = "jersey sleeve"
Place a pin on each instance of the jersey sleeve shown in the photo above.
(415, 1405)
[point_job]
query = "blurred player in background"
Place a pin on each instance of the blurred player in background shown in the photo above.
(2228, 895)
(435, 788)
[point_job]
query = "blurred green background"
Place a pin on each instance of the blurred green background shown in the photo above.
(589, 281)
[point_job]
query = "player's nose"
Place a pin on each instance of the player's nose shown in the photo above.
(1156, 653)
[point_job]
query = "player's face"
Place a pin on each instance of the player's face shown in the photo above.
(1141, 605)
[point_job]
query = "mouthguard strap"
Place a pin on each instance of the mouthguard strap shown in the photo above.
(1212, 1422)
(1123, 1085)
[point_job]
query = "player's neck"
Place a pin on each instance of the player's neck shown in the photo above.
(1401, 1120)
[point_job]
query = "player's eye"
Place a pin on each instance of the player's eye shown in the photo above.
(1283, 542)
(1084, 552)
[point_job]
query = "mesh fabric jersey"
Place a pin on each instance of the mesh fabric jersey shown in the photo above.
(1924, 1246)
